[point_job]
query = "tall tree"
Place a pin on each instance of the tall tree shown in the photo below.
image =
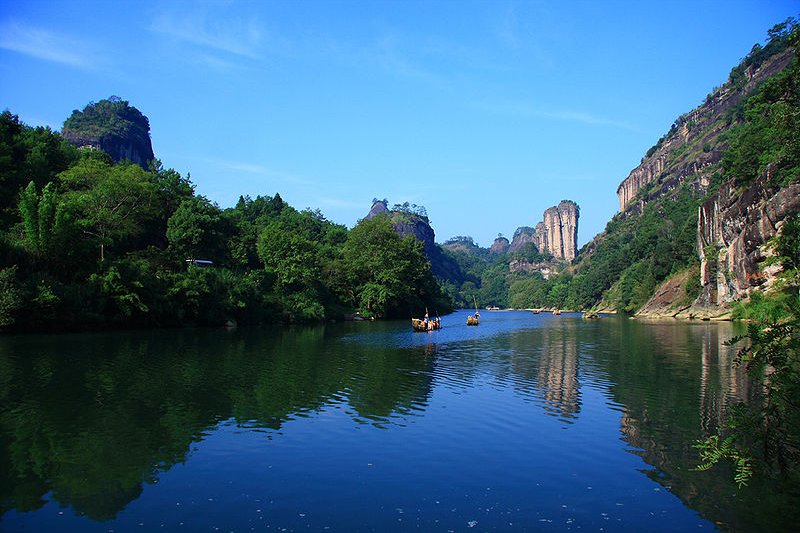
(111, 203)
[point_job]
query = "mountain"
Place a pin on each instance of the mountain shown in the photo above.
(556, 234)
(113, 126)
(697, 213)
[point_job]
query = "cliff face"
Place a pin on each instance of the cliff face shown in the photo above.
(692, 148)
(561, 225)
(556, 234)
(522, 236)
(499, 246)
(114, 127)
(545, 268)
(733, 227)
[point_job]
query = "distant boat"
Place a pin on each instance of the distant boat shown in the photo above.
(535, 311)
(556, 312)
(492, 308)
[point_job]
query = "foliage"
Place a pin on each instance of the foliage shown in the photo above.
(388, 275)
(44, 222)
(779, 39)
(712, 452)
(10, 299)
(194, 230)
(461, 240)
(530, 253)
(412, 210)
(768, 137)
(110, 203)
(28, 154)
(86, 243)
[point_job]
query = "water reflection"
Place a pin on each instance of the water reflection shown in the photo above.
(676, 382)
(544, 366)
(90, 420)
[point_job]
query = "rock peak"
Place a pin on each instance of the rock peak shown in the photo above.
(556, 234)
(113, 126)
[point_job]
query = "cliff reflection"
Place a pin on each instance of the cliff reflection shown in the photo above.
(661, 422)
(545, 366)
(91, 418)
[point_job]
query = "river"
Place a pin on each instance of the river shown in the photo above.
(525, 422)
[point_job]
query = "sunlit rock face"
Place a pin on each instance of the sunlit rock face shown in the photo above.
(733, 228)
(691, 149)
(499, 246)
(556, 234)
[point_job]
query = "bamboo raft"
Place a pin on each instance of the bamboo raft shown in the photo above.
(418, 324)
(472, 320)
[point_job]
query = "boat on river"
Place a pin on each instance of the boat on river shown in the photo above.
(420, 324)
(472, 320)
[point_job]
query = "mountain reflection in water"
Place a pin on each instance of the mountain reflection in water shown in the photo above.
(94, 422)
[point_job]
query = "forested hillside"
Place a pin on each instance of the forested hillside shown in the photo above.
(87, 242)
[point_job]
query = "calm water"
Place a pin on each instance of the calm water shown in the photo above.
(527, 422)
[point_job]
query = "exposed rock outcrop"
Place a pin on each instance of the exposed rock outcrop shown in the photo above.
(545, 268)
(114, 127)
(556, 234)
(691, 149)
(499, 246)
(522, 236)
(733, 228)
(671, 298)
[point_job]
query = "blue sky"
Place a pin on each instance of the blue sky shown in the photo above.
(486, 113)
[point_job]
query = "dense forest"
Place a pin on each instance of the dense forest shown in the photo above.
(87, 242)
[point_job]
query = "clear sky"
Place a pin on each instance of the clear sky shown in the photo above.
(486, 113)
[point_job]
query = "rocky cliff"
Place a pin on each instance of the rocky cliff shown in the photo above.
(556, 234)
(733, 229)
(499, 246)
(692, 147)
(522, 236)
(737, 217)
(114, 127)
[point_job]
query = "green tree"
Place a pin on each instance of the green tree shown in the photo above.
(28, 154)
(194, 230)
(289, 256)
(110, 203)
(389, 275)
(44, 221)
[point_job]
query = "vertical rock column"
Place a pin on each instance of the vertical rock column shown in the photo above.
(557, 234)
(568, 214)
